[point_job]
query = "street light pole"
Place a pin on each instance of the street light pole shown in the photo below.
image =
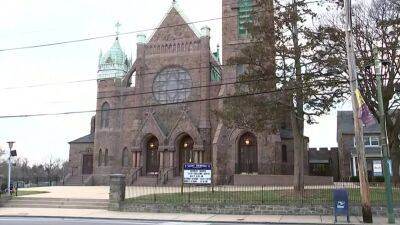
(384, 142)
(10, 145)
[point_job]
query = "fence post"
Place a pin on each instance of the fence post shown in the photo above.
(262, 194)
(117, 192)
(154, 193)
(189, 194)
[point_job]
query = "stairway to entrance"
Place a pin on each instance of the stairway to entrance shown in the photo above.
(80, 180)
(67, 203)
(149, 181)
(174, 182)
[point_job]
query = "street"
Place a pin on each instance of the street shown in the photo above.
(65, 221)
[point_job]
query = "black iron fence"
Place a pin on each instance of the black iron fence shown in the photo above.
(254, 195)
(37, 181)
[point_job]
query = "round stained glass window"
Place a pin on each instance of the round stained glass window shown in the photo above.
(172, 85)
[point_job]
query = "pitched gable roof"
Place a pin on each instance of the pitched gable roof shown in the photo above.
(345, 124)
(173, 20)
(85, 139)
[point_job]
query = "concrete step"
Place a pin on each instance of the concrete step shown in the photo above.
(174, 182)
(27, 202)
(76, 180)
(146, 181)
(11, 205)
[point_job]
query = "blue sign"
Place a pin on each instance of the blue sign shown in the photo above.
(341, 203)
(197, 166)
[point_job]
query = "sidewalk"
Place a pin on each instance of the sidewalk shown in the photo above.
(104, 214)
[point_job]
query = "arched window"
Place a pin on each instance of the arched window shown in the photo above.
(284, 154)
(100, 159)
(105, 115)
(125, 158)
(106, 157)
(244, 16)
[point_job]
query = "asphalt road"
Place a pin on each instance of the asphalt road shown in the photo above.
(62, 221)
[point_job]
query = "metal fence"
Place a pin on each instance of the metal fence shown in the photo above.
(254, 195)
(23, 182)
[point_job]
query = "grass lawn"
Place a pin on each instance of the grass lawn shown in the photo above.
(268, 197)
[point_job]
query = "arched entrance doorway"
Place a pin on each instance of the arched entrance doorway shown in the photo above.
(247, 155)
(185, 151)
(152, 161)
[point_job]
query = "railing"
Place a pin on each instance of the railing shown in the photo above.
(246, 168)
(271, 168)
(166, 174)
(254, 195)
(136, 174)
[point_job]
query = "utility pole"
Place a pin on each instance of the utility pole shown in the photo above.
(384, 141)
(358, 128)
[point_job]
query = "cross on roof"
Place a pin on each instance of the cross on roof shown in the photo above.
(117, 26)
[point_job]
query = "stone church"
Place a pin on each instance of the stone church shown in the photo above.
(156, 112)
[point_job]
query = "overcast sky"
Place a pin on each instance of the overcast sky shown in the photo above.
(32, 22)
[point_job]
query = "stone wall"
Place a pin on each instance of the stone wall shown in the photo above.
(248, 209)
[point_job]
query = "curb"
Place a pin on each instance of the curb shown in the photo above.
(170, 220)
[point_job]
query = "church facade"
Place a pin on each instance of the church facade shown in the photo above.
(157, 112)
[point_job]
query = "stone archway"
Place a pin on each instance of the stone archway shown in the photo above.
(247, 154)
(152, 156)
(185, 151)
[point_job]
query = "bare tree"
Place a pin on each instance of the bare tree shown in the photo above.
(280, 65)
(376, 25)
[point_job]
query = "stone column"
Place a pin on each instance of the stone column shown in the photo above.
(354, 166)
(134, 159)
(138, 155)
(196, 156)
(117, 192)
(161, 161)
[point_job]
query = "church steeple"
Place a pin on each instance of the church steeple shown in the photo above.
(114, 63)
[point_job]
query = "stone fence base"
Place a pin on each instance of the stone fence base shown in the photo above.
(247, 209)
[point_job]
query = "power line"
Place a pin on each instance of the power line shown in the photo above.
(147, 106)
(152, 105)
(199, 86)
(115, 35)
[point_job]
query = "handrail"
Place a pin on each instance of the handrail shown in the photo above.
(136, 174)
(165, 174)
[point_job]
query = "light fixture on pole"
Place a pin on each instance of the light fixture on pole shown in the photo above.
(10, 145)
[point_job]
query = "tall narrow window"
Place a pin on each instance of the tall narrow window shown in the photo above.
(125, 158)
(284, 154)
(100, 159)
(106, 157)
(244, 16)
(105, 115)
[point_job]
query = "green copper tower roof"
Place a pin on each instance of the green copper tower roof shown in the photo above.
(114, 63)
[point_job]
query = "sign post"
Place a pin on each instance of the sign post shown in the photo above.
(341, 203)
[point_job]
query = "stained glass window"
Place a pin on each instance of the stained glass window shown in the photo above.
(172, 85)
(105, 116)
(244, 16)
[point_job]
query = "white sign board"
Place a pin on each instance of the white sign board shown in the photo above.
(377, 167)
(197, 173)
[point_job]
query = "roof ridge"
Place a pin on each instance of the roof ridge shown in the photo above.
(175, 6)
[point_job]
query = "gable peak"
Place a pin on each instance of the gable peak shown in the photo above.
(173, 10)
